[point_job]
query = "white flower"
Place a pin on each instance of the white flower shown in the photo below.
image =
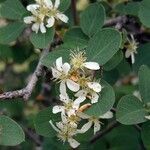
(147, 117)
(78, 60)
(91, 91)
(93, 120)
(69, 106)
(66, 133)
(44, 13)
(61, 72)
(131, 49)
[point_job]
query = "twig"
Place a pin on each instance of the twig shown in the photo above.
(25, 93)
(74, 11)
(114, 21)
(105, 131)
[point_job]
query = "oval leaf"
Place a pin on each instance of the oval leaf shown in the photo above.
(130, 110)
(103, 45)
(11, 133)
(92, 19)
(41, 40)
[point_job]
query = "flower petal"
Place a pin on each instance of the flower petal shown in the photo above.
(29, 19)
(94, 98)
(57, 3)
(42, 28)
(64, 118)
(59, 63)
(64, 98)
(32, 7)
(62, 17)
(35, 27)
(127, 53)
(50, 22)
(97, 126)
(62, 88)
(92, 65)
(95, 86)
(83, 115)
(57, 109)
(79, 100)
(147, 117)
(56, 74)
(48, 3)
(66, 67)
(86, 127)
(53, 126)
(132, 58)
(81, 93)
(72, 85)
(107, 115)
(73, 143)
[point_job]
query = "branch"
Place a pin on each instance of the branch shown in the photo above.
(105, 131)
(26, 92)
(74, 11)
(114, 21)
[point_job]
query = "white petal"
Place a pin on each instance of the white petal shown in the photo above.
(73, 143)
(59, 63)
(86, 127)
(64, 118)
(50, 22)
(53, 126)
(57, 109)
(79, 100)
(81, 93)
(94, 98)
(127, 54)
(62, 17)
(92, 65)
(35, 27)
(97, 126)
(147, 117)
(57, 3)
(83, 115)
(66, 67)
(107, 115)
(56, 74)
(72, 85)
(64, 98)
(132, 58)
(48, 3)
(62, 88)
(32, 7)
(95, 86)
(60, 125)
(29, 19)
(71, 112)
(42, 28)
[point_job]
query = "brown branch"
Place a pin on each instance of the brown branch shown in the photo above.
(100, 134)
(74, 11)
(26, 92)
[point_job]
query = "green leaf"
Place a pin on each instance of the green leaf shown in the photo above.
(142, 57)
(5, 52)
(144, 12)
(92, 19)
(75, 38)
(114, 61)
(11, 32)
(103, 45)
(131, 8)
(105, 102)
(50, 59)
(12, 9)
(144, 83)
(145, 133)
(64, 5)
(42, 125)
(11, 133)
(130, 110)
(41, 40)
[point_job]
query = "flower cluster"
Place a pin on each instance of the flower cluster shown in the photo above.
(78, 77)
(44, 13)
(131, 49)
